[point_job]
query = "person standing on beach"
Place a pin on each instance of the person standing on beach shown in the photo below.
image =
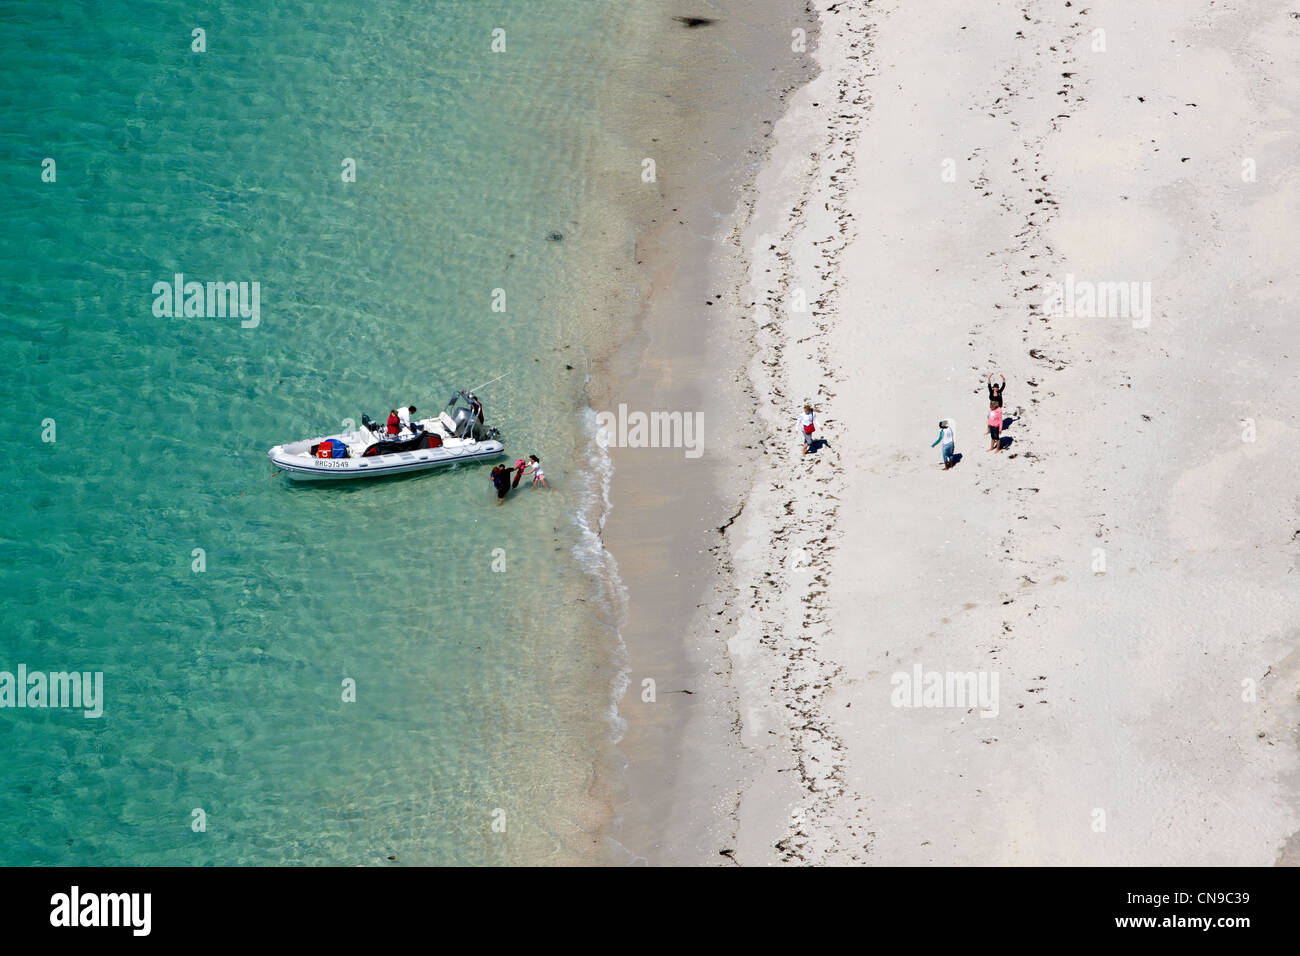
(949, 444)
(995, 391)
(807, 425)
(995, 426)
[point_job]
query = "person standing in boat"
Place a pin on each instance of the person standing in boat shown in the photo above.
(405, 417)
(394, 422)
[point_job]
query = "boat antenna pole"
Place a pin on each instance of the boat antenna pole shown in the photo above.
(493, 382)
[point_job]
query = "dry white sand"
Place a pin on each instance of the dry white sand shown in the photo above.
(1147, 712)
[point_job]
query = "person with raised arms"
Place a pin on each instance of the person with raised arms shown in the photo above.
(995, 391)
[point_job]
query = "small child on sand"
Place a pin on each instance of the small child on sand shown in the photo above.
(949, 444)
(995, 426)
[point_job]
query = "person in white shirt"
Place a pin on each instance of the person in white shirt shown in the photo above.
(807, 425)
(539, 476)
(404, 416)
(949, 444)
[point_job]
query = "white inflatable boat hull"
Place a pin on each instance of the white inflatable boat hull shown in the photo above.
(303, 467)
(297, 461)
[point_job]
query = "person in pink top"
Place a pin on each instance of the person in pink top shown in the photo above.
(995, 426)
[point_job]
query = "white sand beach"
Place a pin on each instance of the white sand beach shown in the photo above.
(1126, 571)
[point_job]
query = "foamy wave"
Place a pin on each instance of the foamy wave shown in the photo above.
(595, 559)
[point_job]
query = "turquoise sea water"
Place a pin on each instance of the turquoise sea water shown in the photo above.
(482, 695)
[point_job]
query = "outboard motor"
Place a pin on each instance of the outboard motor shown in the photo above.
(467, 422)
(370, 425)
(476, 417)
(464, 422)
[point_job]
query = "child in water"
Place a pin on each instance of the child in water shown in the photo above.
(537, 473)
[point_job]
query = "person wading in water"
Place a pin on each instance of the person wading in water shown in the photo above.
(501, 479)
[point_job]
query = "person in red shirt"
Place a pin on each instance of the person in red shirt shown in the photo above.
(394, 423)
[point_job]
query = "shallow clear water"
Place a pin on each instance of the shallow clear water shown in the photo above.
(478, 691)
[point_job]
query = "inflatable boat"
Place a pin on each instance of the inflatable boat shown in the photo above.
(456, 434)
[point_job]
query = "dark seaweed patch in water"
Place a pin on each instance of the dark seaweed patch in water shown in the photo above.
(554, 236)
(695, 21)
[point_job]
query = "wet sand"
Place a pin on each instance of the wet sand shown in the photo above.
(708, 127)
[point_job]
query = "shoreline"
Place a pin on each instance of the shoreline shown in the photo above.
(686, 356)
